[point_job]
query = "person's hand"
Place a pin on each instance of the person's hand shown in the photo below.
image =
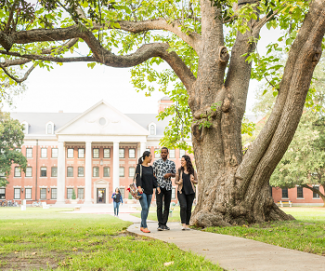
(167, 175)
(158, 189)
(192, 178)
(140, 190)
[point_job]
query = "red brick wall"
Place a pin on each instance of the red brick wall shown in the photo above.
(292, 195)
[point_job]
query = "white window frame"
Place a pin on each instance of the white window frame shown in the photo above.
(120, 172)
(317, 196)
(109, 172)
(41, 172)
(71, 169)
(170, 154)
(56, 175)
(154, 126)
(120, 151)
(51, 132)
(16, 194)
(29, 193)
(31, 172)
(132, 149)
(31, 152)
(109, 153)
(94, 152)
(40, 193)
(157, 153)
(83, 193)
(131, 174)
(181, 153)
(45, 152)
(69, 153)
(83, 172)
(57, 153)
(95, 175)
(81, 152)
(56, 193)
(3, 192)
(16, 171)
(69, 196)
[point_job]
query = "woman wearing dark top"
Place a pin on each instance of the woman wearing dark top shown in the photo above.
(146, 182)
(117, 199)
(186, 177)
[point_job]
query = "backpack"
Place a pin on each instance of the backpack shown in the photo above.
(133, 189)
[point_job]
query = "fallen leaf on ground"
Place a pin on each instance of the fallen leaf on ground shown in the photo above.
(169, 263)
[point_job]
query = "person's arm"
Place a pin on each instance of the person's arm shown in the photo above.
(177, 179)
(194, 178)
(173, 170)
(113, 195)
(138, 179)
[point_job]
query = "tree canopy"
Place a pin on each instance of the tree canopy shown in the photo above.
(11, 139)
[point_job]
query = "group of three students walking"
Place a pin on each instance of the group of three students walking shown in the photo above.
(159, 176)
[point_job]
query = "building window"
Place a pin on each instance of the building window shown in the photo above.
(43, 153)
(121, 153)
(29, 153)
(2, 174)
(300, 192)
(95, 153)
(107, 153)
(49, 129)
(54, 192)
(70, 153)
(172, 154)
(315, 195)
(95, 171)
(54, 172)
(28, 172)
(28, 193)
(43, 171)
(70, 172)
(131, 153)
(284, 193)
(81, 172)
(2, 193)
(122, 190)
(55, 153)
(18, 150)
(131, 171)
(69, 193)
(121, 172)
(17, 193)
(43, 193)
(81, 153)
(17, 172)
(173, 193)
(106, 171)
(157, 153)
(181, 153)
(81, 193)
(152, 129)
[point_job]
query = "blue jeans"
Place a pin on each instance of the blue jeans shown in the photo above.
(116, 207)
(145, 201)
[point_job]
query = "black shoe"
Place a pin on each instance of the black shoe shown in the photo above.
(160, 228)
(166, 228)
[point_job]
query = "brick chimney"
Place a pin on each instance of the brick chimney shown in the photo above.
(164, 103)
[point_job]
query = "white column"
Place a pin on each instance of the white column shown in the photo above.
(143, 146)
(88, 173)
(116, 164)
(61, 174)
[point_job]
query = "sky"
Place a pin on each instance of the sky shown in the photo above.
(74, 87)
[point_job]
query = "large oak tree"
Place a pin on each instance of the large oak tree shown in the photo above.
(210, 47)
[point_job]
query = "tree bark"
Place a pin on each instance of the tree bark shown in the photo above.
(322, 196)
(234, 189)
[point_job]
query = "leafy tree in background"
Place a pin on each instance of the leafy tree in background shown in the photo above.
(210, 47)
(11, 138)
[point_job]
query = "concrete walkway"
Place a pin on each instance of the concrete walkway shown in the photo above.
(234, 253)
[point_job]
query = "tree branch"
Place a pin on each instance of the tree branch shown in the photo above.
(17, 79)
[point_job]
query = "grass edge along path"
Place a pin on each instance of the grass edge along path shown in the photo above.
(306, 233)
(49, 239)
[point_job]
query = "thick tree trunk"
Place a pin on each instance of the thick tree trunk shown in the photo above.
(234, 189)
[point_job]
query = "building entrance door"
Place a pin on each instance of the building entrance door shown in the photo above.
(101, 195)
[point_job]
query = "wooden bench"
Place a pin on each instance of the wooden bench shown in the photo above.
(281, 203)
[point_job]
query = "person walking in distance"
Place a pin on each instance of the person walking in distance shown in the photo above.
(117, 199)
(164, 170)
(186, 178)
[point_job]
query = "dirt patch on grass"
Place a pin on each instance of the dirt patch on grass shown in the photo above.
(28, 261)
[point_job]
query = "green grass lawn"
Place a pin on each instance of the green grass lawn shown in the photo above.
(38, 239)
(306, 233)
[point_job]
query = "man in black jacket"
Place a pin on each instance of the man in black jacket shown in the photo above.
(164, 170)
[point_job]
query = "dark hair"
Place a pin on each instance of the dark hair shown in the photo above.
(189, 164)
(165, 148)
(118, 190)
(144, 155)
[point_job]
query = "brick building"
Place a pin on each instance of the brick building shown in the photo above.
(92, 153)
